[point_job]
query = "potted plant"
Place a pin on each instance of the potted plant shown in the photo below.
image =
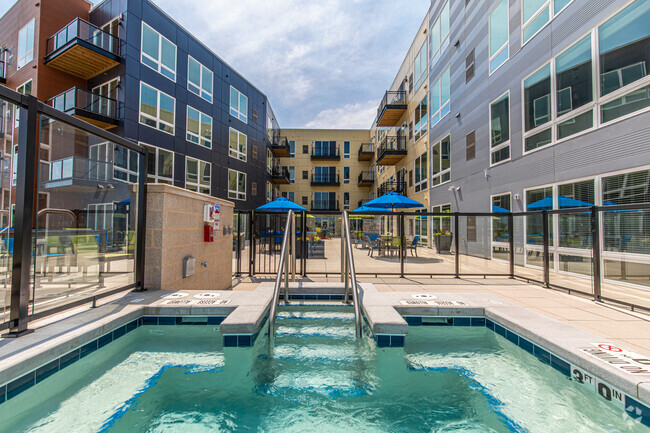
(442, 239)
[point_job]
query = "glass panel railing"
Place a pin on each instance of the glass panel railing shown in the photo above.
(80, 99)
(83, 30)
(323, 243)
(476, 248)
(571, 266)
(428, 253)
(528, 256)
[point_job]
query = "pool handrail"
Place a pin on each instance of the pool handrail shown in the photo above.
(284, 263)
(349, 270)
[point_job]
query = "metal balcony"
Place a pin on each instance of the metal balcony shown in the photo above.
(325, 205)
(391, 150)
(325, 179)
(326, 154)
(366, 152)
(388, 186)
(280, 147)
(366, 178)
(83, 50)
(280, 175)
(392, 108)
(98, 110)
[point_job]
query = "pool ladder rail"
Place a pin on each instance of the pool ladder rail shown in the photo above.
(288, 259)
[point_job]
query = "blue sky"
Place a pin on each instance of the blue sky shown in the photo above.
(322, 64)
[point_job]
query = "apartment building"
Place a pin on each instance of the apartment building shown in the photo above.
(326, 169)
(126, 66)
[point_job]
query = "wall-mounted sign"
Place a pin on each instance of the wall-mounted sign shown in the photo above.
(212, 215)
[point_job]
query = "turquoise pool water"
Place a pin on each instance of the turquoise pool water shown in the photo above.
(316, 377)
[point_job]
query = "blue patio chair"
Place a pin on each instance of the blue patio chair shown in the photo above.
(373, 245)
(413, 246)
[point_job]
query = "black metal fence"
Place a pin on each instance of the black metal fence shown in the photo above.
(600, 252)
(73, 212)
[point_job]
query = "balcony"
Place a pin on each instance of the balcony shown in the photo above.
(83, 50)
(366, 152)
(391, 150)
(366, 178)
(328, 179)
(90, 107)
(388, 186)
(77, 174)
(326, 154)
(325, 205)
(280, 147)
(391, 109)
(280, 175)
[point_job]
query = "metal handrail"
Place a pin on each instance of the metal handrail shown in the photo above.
(349, 266)
(278, 279)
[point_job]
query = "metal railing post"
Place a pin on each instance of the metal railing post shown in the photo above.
(141, 222)
(278, 278)
(303, 246)
(251, 249)
(239, 244)
(402, 240)
(595, 242)
(511, 242)
(342, 250)
(545, 259)
(457, 245)
(347, 267)
(293, 247)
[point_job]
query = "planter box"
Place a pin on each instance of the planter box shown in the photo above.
(443, 243)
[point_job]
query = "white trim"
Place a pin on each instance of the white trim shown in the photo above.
(424, 180)
(202, 141)
(440, 174)
(506, 46)
(28, 56)
(156, 176)
(442, 106)
(158, 61)
(210, 94)
(551, 16)
(508, 141)
(157, 119)
(238, 195)
(200, 186)
(238, 113)
(236, 153)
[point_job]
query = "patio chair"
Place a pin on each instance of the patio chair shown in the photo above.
(413, 246)
(373, 245)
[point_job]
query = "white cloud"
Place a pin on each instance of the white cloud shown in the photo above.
(359, 115)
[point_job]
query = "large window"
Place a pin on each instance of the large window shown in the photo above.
(157, 109)
(199, 127)
(238, 105)
(125, 164)
(500, 204)
(421, 119)
(237, 185)
(292, 174)
(537, 13)
(420, 66)
(537, 107)
(440, 98)
(346, 149)
(199, 79)
(421, 172)
(440, 33)
(441, 224)
(197, 175)
(536, 200)
(441, 162)
(324, 201)
(238, 144)
(160, 165)
(346, 175)
(499, 35)
(292, 148)
(25, 45)
(500, 129)
(158, 52)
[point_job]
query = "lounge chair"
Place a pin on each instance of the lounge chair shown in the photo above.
(413, 246)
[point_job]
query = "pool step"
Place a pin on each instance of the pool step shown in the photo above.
(320, 353)
(333, 314)
(314, 331)
(329, 383)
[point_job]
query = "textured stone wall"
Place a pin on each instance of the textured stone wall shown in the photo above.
(174, 230)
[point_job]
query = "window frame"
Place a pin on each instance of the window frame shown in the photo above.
(128, 170)
(508, 141)
(441, 173)
(551, 16)
(236, 194)
(446, 105)
(22, 61)
(237, 153)
(199, 185)
(422, 52)
(208, 96)
(159, 60)
(423, 184)
(346, 181)
(238, 114)
(506, 46)
(444, 41)
(420, 132)
(156, 119)
(156, 176)
(202, 141)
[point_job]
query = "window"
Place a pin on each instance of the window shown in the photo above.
(238, 141)
(238, 105)
(626, 188)
(537, 107)
(305, 148)
(469, 66)
(199, 79)
(325, 201)
(441, 162)
(439, 39)
(199, 127)
(499, 35)
(157, 109)
(325, 148)
(500, 204)
(100, 216)
(325, 175)
(500, 129)
(107, 105)
(158, 52)
(346, 175)
(346, 201)
(269, 160)
(421, 119)
(25, 89)
(305, 200)
(420, 66)
(410, 130)
(420, 228)
(197, 175)
(470, 146)
(99, 157)
(25, 45)
(254, 189)
(269, 191)
(538, 199)
(289, 195)
(237, 185)
(537, 13)
(292, 174)
(160, 165)
(292, 148)
(440, 98)
(410, 178)
(305, 175)
(61, 169)
(346, 149)
(411, 82)
(125, 164)
(421, 172)
(441, 223)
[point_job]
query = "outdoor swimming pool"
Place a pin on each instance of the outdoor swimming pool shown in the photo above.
(315, 377)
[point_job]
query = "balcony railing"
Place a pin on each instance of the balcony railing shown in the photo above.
(392, 108)
(391, 149)
(280, 175)
(325, 205)
(83, 49)
(388, 186)
(325, 179)
(91, 107)
(366, 178)
(366, 152)
(280, 147)
(330, 153)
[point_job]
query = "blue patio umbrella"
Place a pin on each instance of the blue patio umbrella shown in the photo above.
(499, 209)
(281, 204)
(367, 209)
(393, 200)
(562, 201)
